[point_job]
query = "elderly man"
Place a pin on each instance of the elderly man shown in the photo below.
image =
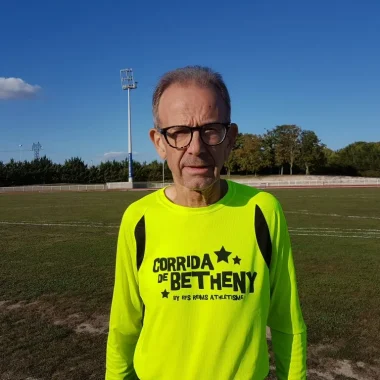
(204, 265)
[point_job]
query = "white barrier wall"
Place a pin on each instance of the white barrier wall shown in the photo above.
(261, 183)
(119, 185)
(47, 188)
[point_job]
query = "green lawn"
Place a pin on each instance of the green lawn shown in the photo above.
(57, 255)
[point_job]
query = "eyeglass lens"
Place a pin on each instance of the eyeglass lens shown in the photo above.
(211, 134)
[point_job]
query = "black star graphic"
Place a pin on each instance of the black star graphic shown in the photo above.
(222, 255)
(165, 294)
(237, 260)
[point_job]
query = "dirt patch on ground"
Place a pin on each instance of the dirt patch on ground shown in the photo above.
(321, 366)
(324, 366)
(321, 362)
(15, 306)
(79, 322)
(331, 369)
(98, 325)
(14, 376)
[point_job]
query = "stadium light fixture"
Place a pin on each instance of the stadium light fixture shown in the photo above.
(128, 83)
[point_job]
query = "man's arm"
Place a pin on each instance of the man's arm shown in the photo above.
(290, 355)
(126, 310)
(289, 336)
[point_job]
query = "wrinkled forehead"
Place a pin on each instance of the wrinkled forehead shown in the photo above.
(191, 105)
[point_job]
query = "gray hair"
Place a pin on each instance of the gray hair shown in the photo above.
(199, 75)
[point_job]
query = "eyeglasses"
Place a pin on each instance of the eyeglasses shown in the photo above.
(180, 136)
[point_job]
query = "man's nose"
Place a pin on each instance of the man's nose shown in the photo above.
(196, 146)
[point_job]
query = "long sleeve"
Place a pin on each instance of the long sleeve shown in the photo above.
(290, 355)
(126, 310)
(289, 335)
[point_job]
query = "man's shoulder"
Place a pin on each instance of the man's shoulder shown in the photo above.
(258, 196)
(138, 208)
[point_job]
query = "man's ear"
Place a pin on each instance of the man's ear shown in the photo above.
(158, 142)
(231, 136)
(230, 140)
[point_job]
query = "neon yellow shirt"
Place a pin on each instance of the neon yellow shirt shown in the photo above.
(195, 289)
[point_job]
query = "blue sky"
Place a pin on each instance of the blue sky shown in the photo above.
(311, 63)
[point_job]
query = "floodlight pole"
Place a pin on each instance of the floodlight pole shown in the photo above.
(130, 172)
(20, 146)
(128, 83)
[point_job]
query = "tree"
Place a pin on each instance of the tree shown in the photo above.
(2, 174)
(74, 170)
(269, 150)
(287, 148)
(12, 173)
(113, 171)
(362, 157)
(250, 156)
(154, 169)
(232, 163)
(311, 150)
(94, 175)
(138, 172)
(40, 171)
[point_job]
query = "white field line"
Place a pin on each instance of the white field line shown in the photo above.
(339, 236)
(59, 224)
(100, 224)
(361, 232)
(336, 197)
(46, 222)
(302, 231)
(72, 222)
(333, 228)
(303, 212)
(363, 217)
(335, 232)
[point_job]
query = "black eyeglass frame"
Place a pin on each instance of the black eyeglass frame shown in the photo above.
(164, 132)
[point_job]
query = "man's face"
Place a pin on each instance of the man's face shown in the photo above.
(198, 166)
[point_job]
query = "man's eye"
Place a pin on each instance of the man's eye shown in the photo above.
(178, 132)
(212, 130)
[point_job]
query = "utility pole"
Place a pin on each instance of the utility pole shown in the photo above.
(128, 83)
(36, 148)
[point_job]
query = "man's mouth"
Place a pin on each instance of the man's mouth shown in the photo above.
(197, 169)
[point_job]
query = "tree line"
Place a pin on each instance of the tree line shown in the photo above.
(74, 170)
(286, 149)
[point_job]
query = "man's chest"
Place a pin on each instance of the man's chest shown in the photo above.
(205, 259)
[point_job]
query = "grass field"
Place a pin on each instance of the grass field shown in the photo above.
(57, 253)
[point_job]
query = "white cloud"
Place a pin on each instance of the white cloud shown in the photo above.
(16, 88)
(115, 155)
